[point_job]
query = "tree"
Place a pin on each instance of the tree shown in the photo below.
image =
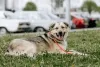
(98, 9)
(89, 6)
(30, 6)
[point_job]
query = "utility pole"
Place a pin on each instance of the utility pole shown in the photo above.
(13, 5)
(5, 4)
(67, 12)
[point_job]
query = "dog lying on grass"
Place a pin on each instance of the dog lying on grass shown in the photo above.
(52, 42)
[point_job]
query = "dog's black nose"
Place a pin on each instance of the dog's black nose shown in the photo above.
(60, 33)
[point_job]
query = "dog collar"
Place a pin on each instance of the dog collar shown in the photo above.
(55, 41)
(62, 49)
(58, 41)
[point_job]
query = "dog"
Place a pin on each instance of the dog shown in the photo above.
(53, 41)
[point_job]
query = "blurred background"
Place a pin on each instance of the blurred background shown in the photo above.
(37, 15)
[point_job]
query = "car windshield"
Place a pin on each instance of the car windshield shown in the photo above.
(53, 17)
(44, 16)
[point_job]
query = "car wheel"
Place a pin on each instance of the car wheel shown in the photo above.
(39, 29)
(3, 31)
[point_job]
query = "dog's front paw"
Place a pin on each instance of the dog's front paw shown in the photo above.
(73, 52)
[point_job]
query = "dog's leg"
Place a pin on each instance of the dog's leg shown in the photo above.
(65, 44)
(73, 52)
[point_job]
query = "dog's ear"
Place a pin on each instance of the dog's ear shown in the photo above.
(51, 26)
(66, 24)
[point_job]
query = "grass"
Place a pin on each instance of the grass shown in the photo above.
(98, 23)
(84, 41)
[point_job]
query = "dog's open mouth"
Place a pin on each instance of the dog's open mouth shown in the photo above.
(60, 35)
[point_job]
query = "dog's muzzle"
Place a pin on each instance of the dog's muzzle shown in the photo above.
(60, 35)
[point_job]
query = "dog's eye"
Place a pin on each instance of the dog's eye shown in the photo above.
(56, 28)
(62, 27)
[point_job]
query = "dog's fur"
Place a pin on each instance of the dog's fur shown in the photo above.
(45, 43)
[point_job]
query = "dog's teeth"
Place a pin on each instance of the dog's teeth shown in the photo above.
(63, 34)
(57, 35)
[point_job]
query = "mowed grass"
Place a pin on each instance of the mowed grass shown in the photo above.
(84, 41)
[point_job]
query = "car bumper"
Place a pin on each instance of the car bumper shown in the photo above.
(27, 29)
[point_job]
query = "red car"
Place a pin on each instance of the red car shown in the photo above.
(79, 22)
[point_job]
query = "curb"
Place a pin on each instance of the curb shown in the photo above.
(75, 30)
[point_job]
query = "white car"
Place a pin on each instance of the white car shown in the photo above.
(12, 25)
(40, 21)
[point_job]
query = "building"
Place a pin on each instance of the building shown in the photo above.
(2, 4)
(18, 5)
(41, 4)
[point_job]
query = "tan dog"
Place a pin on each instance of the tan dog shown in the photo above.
(52, 42)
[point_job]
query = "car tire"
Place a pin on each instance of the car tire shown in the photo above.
(3, 31)
(39, 29)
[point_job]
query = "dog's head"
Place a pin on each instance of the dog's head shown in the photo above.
(59, 30)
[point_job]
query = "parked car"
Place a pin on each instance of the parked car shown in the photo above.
(43, 21)
(12, 25)
(78, 21)
(84, 15)
(39, 20)
(95, 15)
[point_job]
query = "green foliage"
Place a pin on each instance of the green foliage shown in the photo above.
(89, 6)
(98, 23)
(30, 6)
(82, 41)
(98, 9)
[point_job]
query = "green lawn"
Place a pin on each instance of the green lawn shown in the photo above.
(98, 24)
(85, 41)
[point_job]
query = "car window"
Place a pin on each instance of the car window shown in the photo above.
(44, 16)
(53, 17)
(48, 16)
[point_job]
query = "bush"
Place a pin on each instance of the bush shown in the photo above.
(30, 6)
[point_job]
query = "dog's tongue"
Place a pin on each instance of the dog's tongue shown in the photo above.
(60, 37)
